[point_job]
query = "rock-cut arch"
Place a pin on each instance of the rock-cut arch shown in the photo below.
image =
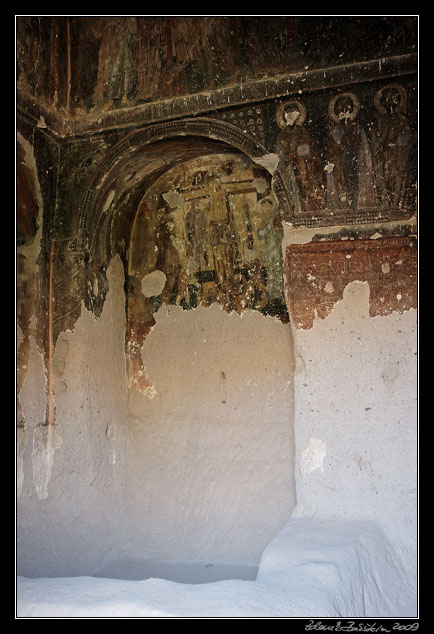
(141, 156)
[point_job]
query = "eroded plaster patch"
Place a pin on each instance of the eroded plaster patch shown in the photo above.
(217, 435)
(138, 377)
(173, 199)
(260, 184)
(153, 283)
(313, 456)
(46, 440)
(268, 161)
(21, 443)
(109, 200)
(356, 383)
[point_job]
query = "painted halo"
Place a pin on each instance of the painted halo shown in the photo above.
(297, 105)
(399, 107)
(356, 106)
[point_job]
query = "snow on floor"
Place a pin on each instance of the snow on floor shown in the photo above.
(312, 569)
(184, 572)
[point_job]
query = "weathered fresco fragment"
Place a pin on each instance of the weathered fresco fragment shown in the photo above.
(393, 147)
(207, 231)
(318, 272)
(350, 179)
(301, 161)
(356, 166)
(100, 63)
(28, 221)
(214, 229)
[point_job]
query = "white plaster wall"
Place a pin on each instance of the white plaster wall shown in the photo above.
(71, 494)
(213, 449)
(203, 471)
(356, 418)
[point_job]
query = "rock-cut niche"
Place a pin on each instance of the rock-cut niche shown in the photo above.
(210, 366)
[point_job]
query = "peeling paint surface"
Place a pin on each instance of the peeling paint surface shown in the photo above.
(153, 283)
(269, 162)
(313, 456)
(205, 233)
(46, 440)
(318, 272)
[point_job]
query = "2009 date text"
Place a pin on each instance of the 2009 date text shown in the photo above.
(352, 626)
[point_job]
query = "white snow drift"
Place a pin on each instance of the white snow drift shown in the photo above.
(313, 568)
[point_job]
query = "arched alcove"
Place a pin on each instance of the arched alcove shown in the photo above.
(209, 454)
(141, 156)
(210, 370)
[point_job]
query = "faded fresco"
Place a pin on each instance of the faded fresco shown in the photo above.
(300, 159)
(393, 146)
(319, 272)
(206, 232)
(350, 177)
(347, 168)
(117, 61)
(214, 230)
(128, 60)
